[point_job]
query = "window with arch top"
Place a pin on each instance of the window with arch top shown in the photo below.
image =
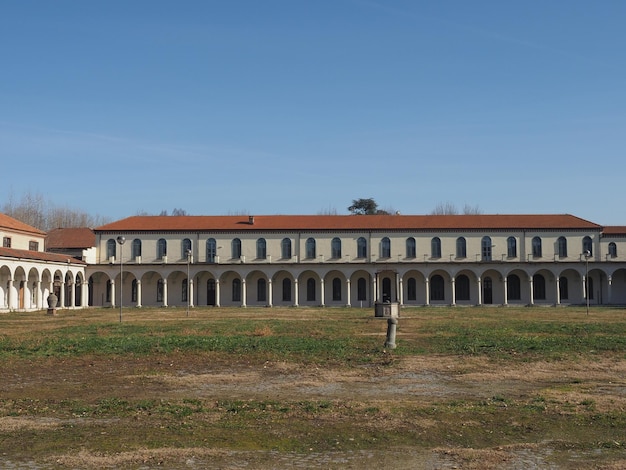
(335, 248)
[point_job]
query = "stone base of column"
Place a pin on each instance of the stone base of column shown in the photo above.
(51, 311)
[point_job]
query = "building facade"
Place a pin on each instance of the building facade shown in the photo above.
(239, 261)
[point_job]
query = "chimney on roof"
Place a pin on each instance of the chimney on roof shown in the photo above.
(251, 219)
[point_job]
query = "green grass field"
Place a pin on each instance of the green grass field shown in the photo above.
(314, 388)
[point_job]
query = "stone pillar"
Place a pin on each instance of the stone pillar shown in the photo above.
(270, 297)
(453, 285)
(480, 290)
(558, 290)
(296, 297)
(532, 294)
(610, 290)
(348, 291)
(113, 304)
(392, 324)
(506, 290)
(38, 296)
(139, 294)
(584, 287)
(244, 293)
(427, 285)
(322, 292)
(217, 293)
(62, 299)
(165, 292)
(190, 281)
(401, 291)
(72, 294)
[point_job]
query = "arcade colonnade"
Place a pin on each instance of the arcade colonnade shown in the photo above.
(356, 286)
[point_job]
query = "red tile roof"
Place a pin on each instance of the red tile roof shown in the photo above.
(10, 223)
(38, 256)
(348, 222)
(67, 238)
(615, 230)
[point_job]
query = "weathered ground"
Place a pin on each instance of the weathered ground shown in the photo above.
(233, 413)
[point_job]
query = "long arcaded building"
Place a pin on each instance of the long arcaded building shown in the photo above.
(319, 260)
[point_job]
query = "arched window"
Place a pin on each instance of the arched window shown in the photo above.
(110, 248)
(161, 248)
(361, 248)
(236, 290)
(385, 248)
(310, 248)
(410, 247)
(486, 248)
(235, 248)
(536, 245)
(461, 247)
(335, 248)
(286, 290)
(562, 247)
(184, 291)
(285, 248)
(612, 250)
(261, 250)
(437, 288)
(411, 289)
(310, 290)
(511, 247)
(563, 288)
(336, 289)
(513, 287)
(186, 248)
(211, 250)
(261, 290)
(539, 287)
(435, 248)
(136, 248)
(462, 287)
(361, 290)
(588, 245)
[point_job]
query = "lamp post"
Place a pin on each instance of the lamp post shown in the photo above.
(587, 255)
(121, 240)
(188, 285)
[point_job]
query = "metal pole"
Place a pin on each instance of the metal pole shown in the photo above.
(121, 241)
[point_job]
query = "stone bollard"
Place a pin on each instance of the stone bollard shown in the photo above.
(392, 324)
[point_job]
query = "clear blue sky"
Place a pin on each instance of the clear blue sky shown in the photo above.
(300, 106)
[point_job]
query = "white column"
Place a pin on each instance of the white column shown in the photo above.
(453, 284)
(72, 294)
(427, 284)
(610, 279)
(297, 297)
(38, 296)
(217, 293)
(532, 295)
(62, 296)
(244, 293)
(506, 290)
(84, 296)
(348, 290)
(558, 291)
(480, 290)
(401, 291)
(113, 303)
(322, 291)
(190, 281)
(11, 295)
(374, 289)
(165, 292)
(584, 287)
(139, 295)
(270, 297)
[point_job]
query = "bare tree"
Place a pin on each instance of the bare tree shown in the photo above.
(448, 208)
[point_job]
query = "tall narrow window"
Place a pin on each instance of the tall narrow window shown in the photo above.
(186, 247)
(562, 247)
(310, 248)
(161, 248)
(536, 247)
(336, 289)
(335, 248)
(134, 291)
(435, 248)
(411, 289)
(211, 250)
(385, 248)
(235, 248)
(286, 248)
(588, 245)
(136, 248)
(184, 291)
(511, 247)
(410, 247)
(461, 247)
(563, 288)
(236, 290)
(361, 291)
(513, 287)
(286, 290)
(462, 287)
(361, 247)
(160, 290)
(486, 248)
(437, 288)
(612, 250)
(261, 290)
(6, 242)
(539, 287)
(261, 251)
(310, 290)
(110, 248)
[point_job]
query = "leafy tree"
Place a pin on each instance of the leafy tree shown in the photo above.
(365, 207)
